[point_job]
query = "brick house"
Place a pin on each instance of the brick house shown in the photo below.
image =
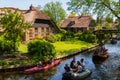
(78, 23)
(41, 25)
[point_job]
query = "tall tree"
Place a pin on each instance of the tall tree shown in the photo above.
(55, 11)
(14, 26)
(100, 8)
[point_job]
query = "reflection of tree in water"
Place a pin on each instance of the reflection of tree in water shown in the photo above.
(8, 75)
(41, 76)
(17, 75)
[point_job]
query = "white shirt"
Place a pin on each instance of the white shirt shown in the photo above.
(79, 68)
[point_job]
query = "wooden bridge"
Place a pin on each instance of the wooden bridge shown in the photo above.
(100, 34)
(106, 31)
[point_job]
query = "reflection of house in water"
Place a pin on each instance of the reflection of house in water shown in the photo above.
(42, 25)
(78, 23)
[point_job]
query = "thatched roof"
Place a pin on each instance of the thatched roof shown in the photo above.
(77, 21)
(31, 14)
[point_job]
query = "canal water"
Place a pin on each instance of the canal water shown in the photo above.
(108, 70)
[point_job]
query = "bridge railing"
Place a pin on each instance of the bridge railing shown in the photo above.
(105, 31)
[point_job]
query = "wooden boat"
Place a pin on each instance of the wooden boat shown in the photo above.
(100, 57)
(77, 76)
(42, 68)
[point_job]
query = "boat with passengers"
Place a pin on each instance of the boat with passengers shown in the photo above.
(42, 68)
(100, 55)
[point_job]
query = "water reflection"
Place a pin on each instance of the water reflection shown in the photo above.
(108, 70)
(22, 76)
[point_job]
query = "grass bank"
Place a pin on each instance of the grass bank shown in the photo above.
(63, 47)
(68, 47)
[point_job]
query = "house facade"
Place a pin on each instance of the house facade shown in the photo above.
(41, 24)
(78, 23)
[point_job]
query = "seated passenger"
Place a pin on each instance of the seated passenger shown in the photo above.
(79, 68)
(82, 64)
(104, 49)
(96, 52)
(67, 75)
(72, 64)
(51, 60)
(67, 68)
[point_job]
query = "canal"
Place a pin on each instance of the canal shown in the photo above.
(108, 70)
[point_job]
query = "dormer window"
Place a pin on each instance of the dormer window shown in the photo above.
(72, 22)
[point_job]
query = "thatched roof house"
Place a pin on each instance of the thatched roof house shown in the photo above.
(42, 25)
(78, 23)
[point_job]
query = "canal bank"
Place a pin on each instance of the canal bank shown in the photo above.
(86, 50)
(13, 68)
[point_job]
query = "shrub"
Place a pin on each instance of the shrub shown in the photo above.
(66, 35)
(87, 36)
(62, 36)
(5, 46)
(41, 49)
(50, 38)
(55, 37)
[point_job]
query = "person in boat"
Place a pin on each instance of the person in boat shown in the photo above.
(104, 49)
(51, 60)
(67, 75)
(79, 67)
(82, 64)
(96, 52)
(67, 68)
(44, 63)
(73, 65)
(101, 49)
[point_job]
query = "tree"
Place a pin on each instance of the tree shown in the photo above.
(100, 8)
(14, 26)
(55, 11)
(109, 19)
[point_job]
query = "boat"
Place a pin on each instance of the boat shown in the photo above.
(100, 57)
(113, 41)
(118, 37)
(77, 76)
(42, 68)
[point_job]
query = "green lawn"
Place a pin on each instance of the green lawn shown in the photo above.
(68, 47)
(23, 48)
(64, 47)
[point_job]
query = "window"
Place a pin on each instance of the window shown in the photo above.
(47, 31)
(71, 23)
(36, 31)
(42, 31)
(30, 33)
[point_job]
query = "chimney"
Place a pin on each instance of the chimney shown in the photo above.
(31, 7)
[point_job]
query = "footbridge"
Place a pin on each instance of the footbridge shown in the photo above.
(106, 31)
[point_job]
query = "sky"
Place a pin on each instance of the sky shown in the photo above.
(24, 4)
